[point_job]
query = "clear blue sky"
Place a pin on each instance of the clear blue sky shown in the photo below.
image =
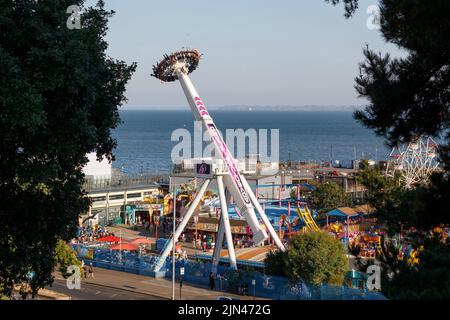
(256, 52)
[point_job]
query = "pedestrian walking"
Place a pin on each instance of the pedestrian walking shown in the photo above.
(83, 269)
(91, 270)
(212, 283)
(220, 277)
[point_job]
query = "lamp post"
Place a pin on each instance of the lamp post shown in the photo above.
(196, 231)
(156, 220)
(173, 239)
(254, 288)
(289, 218)
(120, 245)
(348, 225)
(150, 213)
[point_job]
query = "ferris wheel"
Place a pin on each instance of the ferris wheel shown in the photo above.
(415, 161)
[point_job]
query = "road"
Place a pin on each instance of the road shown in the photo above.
(90, 291)
(115, 285)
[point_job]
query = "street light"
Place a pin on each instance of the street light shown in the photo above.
(196, 230)
(254, 288)
(173, 238)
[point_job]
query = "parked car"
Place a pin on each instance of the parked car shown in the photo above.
(226, 298)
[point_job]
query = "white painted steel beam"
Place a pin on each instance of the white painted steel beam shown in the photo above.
(182, 224)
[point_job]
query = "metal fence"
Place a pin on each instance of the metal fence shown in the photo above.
(241, 281)
(257, 284)
(119, 182)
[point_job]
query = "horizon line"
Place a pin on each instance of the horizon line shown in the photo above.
(252, 108)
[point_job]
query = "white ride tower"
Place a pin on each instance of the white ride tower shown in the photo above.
(415, 161)
(177, 66)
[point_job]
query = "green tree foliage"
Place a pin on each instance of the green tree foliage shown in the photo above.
(328, 196)
(59, 98)
(275, 263)
(314, 258)
(386, 195)
(65, 256)
(237, 279)
(428, 279)
(409, 97)
(398, 207)
(305, 193)
(349, 5)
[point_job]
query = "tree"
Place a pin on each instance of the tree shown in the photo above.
(386, 194)
(59, 99)
(349, 5)
(427, 278)
(238, 278)
(328, 196)
(409, 97)
(65, 257)
(275, 263)
(314, 258)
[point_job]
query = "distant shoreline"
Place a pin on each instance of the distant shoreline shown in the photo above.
(253, 108)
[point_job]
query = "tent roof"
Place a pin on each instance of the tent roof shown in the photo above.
(348, 211)
(343, 212)
(125, 246)
(142, 241)
(336, 213)
(365, 209)
(109, 239)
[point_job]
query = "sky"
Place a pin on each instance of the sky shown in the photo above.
(255, 52)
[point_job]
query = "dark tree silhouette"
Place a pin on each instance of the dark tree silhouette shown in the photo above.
(59, 98)
(409, 97)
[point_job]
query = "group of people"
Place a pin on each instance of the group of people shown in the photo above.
(166, 222)
(163, 70)
(206, 241)
(88, 234)
(181, 254)
(243, 242)
(212, 280)
(87, 269)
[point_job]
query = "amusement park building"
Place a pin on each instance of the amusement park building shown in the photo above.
(111, 198)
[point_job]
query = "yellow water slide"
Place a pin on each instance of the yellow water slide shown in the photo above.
(305, 214)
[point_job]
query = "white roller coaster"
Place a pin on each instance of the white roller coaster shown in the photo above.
(415, 161)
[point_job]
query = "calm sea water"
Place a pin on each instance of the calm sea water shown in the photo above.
(144, 144)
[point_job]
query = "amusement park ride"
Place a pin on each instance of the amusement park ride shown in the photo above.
(230, 182)
(415, 161)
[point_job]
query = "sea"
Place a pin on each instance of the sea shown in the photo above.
(144, 143)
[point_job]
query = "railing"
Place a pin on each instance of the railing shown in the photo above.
(111, 183)
(265, 286)
(247, 165)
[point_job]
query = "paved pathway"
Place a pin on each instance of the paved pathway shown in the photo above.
(109, 284)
